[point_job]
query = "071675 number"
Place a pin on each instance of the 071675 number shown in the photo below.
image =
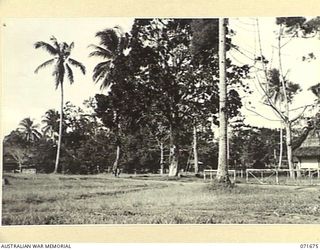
(309, 246)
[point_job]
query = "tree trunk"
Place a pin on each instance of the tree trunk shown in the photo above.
(287, 120)
(281, 149)
(289, 150)
(174, 154)
(195, 151)
(20, 167)
(222, 173)
(116, 161)
(161, 158)
(173, 168)
(60, 132)
(170, 144)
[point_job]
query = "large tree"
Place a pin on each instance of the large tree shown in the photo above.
(112, 43)
(276, 86)
(159, 81)
(17, 145)
(62, 66)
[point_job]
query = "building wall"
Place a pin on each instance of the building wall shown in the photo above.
(309, 163)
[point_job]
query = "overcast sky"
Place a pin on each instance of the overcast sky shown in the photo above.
(25, 94)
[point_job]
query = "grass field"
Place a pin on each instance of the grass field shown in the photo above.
(103, 199)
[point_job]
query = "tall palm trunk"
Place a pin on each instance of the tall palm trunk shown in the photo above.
(195, 150)
(222, 173)
(60, 132)
(161, 158)
(116, 161)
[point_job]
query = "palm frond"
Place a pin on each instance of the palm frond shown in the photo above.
(99, 51)
(26, 122)
(315, 89)
(69, 73)
(46, 46)
(100, 70)
(55, 42)
(71, 46)
(106, 83)
(36, 135)
(78, 64)
(109, 38)
(58, 73)
(44, 65)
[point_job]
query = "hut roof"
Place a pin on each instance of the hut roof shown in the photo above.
(310, 146)
(307, 151)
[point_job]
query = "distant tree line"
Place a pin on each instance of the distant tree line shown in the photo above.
(160, 103)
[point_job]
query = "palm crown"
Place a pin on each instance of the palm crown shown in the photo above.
(51, 121)
(29, 130)
(112, 43)
(62, 60)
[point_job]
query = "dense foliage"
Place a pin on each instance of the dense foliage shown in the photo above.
(161, 82)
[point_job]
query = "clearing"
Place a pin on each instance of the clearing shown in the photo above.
(103, 199)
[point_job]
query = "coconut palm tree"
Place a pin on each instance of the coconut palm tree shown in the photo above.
(62, 62)
(51, 121)
(112, 43)
(29, 130)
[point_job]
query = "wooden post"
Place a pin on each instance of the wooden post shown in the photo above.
(247, 176)
(277, 177)
(309, 173)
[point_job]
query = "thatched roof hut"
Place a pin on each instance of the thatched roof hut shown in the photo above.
(308, 153)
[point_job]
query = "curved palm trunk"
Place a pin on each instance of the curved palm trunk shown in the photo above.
(60, 133)
(222, 173)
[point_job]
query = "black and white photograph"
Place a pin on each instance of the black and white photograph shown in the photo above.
(160, 120)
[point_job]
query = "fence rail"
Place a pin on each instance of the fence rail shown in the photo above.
(211, 172)
(262, 175)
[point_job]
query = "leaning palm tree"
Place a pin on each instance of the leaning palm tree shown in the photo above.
(62, 61)
(113, 43)
(29, 130)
